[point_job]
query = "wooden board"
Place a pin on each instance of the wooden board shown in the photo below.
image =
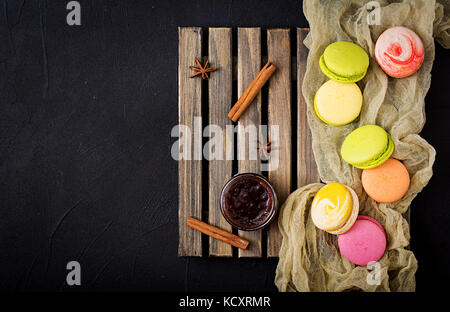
(279, 114)
(306, 165)
(242, 67)
(249, 65)
(220, 100)
(189, 171)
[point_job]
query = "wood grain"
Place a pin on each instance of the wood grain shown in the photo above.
(279, 114)
(189, 171)
(220, 101)
(249, 65)
(306, 165)
(264, 60)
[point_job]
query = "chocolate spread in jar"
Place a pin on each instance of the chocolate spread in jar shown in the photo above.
(248, 201)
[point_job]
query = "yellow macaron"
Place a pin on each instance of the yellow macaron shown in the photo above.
(338, 103)
(335, 208)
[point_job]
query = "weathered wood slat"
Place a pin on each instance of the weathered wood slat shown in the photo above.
(220, 101)
(264, 61)
(249, 65)
(279, 114)
(306, 165)
(189, 171)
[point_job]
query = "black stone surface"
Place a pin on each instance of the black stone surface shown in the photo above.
(86, 172)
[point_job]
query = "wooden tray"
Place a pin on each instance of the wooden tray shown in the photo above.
(279, 103)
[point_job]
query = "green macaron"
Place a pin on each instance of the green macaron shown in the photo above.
(344, 61)
(367, 147)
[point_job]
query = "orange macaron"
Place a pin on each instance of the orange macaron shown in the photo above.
(386, 183)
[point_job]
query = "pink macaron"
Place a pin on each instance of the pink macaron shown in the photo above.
(399, 52)
(364, 242)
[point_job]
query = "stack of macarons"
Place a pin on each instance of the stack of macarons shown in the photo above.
(399, 52)
(370, 147)
(339, 100)
(335, 207)
(384, 179)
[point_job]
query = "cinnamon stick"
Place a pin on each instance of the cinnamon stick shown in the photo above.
(252, 91)
(217, 233)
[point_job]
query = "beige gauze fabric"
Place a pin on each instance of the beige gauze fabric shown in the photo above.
(309, 258)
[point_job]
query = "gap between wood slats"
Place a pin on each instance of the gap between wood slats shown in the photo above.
(205, 163)
(189, 171)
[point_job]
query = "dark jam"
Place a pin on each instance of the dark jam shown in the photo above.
(248, 202)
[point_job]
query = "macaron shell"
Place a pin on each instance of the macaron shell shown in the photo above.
(367, 147)
(344, 61)
(380, 160)
(364, 242)
(336, 77)
(399, 51)
(386, 183)
(337, 103)
(353, 216)
(331, 207)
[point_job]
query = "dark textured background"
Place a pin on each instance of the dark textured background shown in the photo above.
(85, 166)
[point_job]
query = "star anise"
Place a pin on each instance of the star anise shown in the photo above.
(264, 149)
(202, 70)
